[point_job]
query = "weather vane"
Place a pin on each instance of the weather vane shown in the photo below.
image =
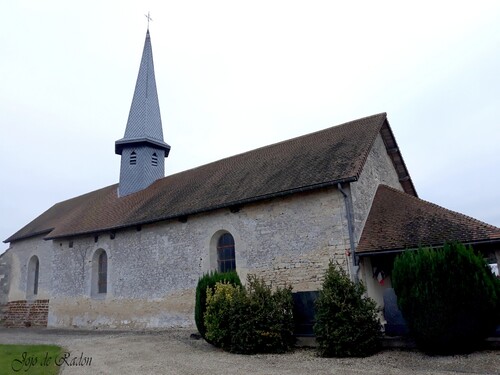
(149, 18)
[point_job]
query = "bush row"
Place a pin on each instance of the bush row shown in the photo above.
(254, 319)
(448, 296)
(251, 319)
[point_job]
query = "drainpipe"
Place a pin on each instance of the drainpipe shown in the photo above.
(350, 229)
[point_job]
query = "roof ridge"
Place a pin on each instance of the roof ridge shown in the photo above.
(286, 141)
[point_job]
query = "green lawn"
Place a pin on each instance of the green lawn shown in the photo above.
(29, 359)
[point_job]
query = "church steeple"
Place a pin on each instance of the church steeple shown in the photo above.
(142, 148)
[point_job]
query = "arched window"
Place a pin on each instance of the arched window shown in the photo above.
(225, 253)
(133, 158)
(154, 160)
(102, 273)
(33, 275)
(35, 283)
(99, 285)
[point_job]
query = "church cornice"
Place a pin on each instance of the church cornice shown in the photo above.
(182, 217)
(136, 142)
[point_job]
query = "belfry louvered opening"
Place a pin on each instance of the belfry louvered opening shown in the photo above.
(133, 158)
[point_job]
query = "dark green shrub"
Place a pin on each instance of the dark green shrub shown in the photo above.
(208, 281)
(347, 323)
(262, 320)
(448, 296)
(251, 319)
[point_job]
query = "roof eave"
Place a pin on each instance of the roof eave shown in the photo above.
(208, 209)
(440, 244)
(397, 159)
(15, 238)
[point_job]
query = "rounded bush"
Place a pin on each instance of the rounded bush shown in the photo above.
(208, 281)
(347, 323)
(218, 313)
(248, 320)
(448, 296)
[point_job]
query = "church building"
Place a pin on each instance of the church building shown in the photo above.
(130, 255)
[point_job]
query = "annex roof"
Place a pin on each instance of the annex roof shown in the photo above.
(398, 221)
(315, 160)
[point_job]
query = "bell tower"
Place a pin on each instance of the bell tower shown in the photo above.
(142, 148)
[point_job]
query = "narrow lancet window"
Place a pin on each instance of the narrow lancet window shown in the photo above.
(35, 286)
(154, 160)
(102, 273)
(225, 253)
(33, 276)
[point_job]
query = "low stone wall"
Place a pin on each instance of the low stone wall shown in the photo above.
(27, 313)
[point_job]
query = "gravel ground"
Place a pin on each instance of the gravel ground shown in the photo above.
(174, 352)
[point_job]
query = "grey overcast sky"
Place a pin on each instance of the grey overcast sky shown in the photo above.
(237, 75)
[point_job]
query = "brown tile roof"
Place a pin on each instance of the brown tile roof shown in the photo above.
(399, 221)
(311, 161)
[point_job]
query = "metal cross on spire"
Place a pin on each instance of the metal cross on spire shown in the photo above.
(149, 18)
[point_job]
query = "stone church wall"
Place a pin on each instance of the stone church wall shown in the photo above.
(23, 307)
(4, 277)
(152, 273)
(378, 170)
(21, 252)
(297, 244)
(5, 267)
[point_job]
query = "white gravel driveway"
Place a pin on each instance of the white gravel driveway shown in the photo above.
(173, 352)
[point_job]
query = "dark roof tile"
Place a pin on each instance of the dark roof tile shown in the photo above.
(314, 160)
(399, 221)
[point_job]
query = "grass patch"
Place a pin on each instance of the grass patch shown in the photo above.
(29, 359)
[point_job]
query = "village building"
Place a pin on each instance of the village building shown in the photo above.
(130, 255)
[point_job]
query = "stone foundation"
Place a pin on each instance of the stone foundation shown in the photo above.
(173, 310)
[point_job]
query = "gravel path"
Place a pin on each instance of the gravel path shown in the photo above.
(173, 352)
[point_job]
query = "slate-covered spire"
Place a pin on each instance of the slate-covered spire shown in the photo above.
(142, 148)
